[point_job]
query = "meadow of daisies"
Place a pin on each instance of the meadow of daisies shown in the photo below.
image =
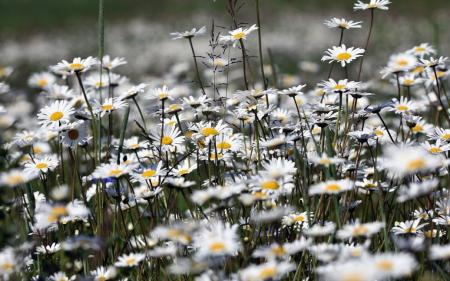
(210, 174)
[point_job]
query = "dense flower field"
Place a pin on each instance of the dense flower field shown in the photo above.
(226, 170)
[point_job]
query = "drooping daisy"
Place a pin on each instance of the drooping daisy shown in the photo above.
(373, 4)
(331, 187)
(109, 63)
(56, 114)
(237, 35)
(41, 165)
(292, 91)
(342, 23)
(189, 34)
(408, 227)
(133, 91)
(342, 54)
(76, 66)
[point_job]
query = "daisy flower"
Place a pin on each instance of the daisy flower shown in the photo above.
(15, 177)
(341, 86)
(133, 143)
(439, 252)
(424, 49)
(133, 91)
(403, 106)
(59, 92)
(41, 165)
(409, 80)
(358, 229)
(104, 273)
(41, 80)
(238, 34)
(408, 227)
(96, 81)
(108, 106)
(185, 168)
(171, 138)
(109, 63)
(5, 71)
(48, 249)
(416, 189)
(342, 23)
(324, 160)
(342, 54)
(111, 170)
(437, 148)
(56, 114)
(400, 161)
(433, 62)
(61, 276)
(297, 219)
(331, 187)
(272, 270)
(76, 66)
(217, 239)
(145, 174)
(292, 91)
(25, 138)
(397, 63)
(161, 94)
(394, 265)
(74, 134)
(189, 34)
(130, 260)
(373, 4)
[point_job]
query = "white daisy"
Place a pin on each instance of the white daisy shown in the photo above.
(55, 115)
(342, 54)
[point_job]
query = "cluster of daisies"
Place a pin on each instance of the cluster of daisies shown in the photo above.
(223, 171)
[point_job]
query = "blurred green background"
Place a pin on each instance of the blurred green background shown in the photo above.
(19, 17)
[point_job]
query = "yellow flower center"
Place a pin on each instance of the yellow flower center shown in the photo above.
(415, 164)
(163, 95)
(55, 116)
(343, 56)
(408, 82)
(385, 265)
(446, 136)
(217, 247)
(14, 180)
(239, 35)
(148, 173)
(130, 261)
(379, 132)
(209, 131)
(419, 49)
(278, 251)
(41, 165)
(418, 128)
(332, 187)
(299, 218)
(42, 83)
(325, 161)
(339, 87)
(101, 278)
(7, 266)
(402, 107)
(183, 172)
(57, 212)
(402, 62)
(360, 230)
(353, 276)
(272, 185)
(166, 140)
(435, 149)
(268, 272)
(76, 66)
(223, 145)
(107, 107)
(115, 172)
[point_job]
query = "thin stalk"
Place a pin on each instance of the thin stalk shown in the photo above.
(196, 66)
(366, 46)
